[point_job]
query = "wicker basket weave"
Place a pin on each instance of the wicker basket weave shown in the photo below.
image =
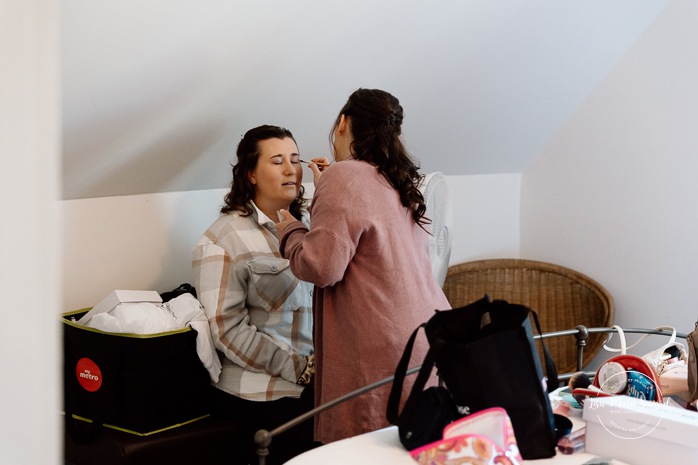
(563, 298)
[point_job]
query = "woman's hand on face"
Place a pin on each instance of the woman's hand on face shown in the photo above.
(318, 169)
(285, 218)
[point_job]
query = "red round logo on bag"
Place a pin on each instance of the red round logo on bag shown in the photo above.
(89, 375)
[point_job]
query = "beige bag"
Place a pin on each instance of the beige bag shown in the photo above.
(656, 358)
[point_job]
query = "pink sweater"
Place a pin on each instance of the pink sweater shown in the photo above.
(370, 262)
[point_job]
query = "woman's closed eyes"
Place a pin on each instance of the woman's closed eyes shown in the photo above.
(279, 159)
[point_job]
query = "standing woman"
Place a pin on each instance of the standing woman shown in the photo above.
(367, 253)
(259, 313)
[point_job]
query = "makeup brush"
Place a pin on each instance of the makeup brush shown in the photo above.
(317, 163)
(581, 387)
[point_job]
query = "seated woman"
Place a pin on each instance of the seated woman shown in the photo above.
(260, 314)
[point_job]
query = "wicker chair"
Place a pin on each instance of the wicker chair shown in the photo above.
(562, 298)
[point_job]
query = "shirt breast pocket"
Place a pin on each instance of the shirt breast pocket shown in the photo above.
(275, 287)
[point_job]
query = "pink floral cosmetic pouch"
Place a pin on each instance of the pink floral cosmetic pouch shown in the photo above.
(483, 438)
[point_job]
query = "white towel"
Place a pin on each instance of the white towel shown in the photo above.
(188, 311)
(135, 318)
(151, 318)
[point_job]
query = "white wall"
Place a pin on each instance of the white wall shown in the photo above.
(157, 92)
(132, 242)
(145, 241)
(486, 216)
(29, 233)
(614, 193)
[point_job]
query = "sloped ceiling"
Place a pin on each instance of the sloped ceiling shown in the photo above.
(157, 93)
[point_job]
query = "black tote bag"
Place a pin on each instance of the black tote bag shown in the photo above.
(486, 356)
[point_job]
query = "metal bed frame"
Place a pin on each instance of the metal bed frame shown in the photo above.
(263, 438)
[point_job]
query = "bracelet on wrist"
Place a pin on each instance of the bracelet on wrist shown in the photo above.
(308, 371)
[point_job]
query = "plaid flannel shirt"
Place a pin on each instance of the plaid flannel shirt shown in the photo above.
(260, 315)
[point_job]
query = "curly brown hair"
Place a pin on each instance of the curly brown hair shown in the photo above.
(241, 189)
(376, 125)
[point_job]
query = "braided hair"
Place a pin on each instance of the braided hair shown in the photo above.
(376, 125)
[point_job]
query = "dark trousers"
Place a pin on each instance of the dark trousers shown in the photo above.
(253, 416)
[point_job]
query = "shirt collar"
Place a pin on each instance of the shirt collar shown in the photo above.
(261, 217)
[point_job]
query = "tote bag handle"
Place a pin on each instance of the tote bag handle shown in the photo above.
(392, 412)
(550, 368)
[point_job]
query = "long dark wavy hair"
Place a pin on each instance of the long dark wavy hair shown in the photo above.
(375, 118)
(241, 189)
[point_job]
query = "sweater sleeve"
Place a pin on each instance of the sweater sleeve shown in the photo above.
(222, 290)
(321, 254)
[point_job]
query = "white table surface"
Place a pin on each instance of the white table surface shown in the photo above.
(383, 447)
